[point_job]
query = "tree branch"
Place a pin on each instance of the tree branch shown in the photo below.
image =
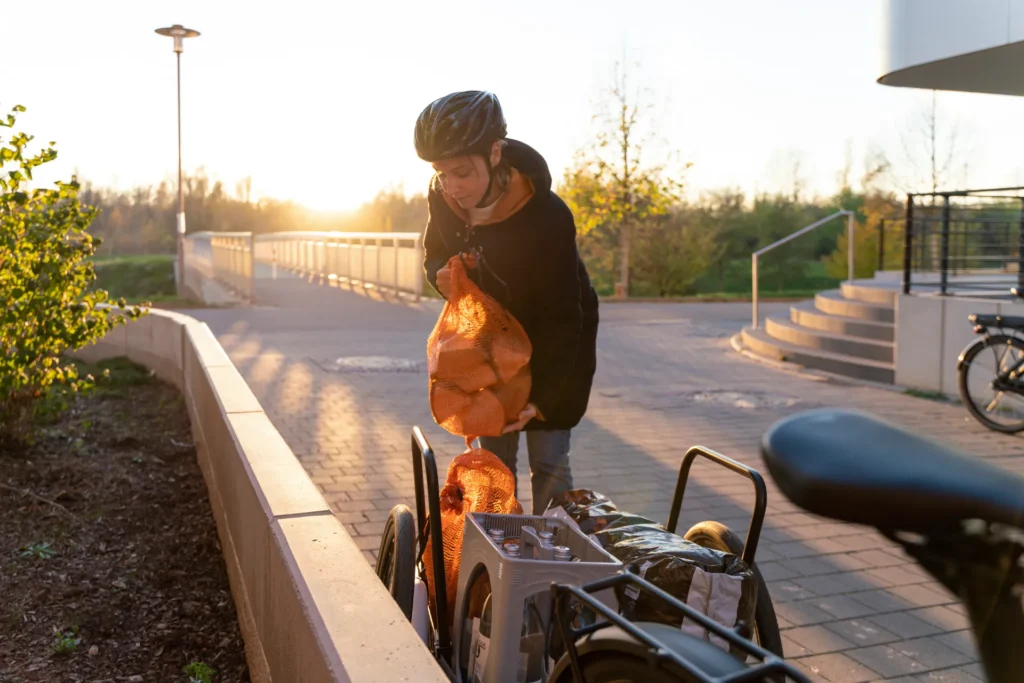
(26, 492)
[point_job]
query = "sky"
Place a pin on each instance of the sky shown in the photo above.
(316, 101)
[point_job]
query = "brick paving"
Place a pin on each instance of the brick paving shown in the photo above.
(853, 607)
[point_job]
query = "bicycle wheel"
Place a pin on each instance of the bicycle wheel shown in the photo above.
(396, 558)
(611, 655)
(766, 625)
(999, 409)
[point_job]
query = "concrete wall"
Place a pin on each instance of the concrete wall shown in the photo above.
(310, 607)
(931, 331)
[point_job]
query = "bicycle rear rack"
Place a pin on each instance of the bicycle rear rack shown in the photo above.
(760, 496)
(423, 461)
(770, 666)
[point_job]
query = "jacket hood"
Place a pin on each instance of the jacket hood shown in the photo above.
(531, 164)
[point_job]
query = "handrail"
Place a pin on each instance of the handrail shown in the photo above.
(335, 234)
(385, 260)
(849, 261)
(226, 258)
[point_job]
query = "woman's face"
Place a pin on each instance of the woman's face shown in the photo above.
(465, 179)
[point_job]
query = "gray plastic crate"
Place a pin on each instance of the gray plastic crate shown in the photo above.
(513, 580)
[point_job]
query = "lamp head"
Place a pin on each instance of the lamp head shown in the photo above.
(179, 33)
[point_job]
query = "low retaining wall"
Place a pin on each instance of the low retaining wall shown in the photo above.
(310, 607)
(931, 331)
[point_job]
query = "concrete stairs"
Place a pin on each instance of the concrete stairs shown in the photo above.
(849, 331)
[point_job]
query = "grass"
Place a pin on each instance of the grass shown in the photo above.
(199, 672)
(137, 278)
(774, 280)
(792, 279)
(928, 395)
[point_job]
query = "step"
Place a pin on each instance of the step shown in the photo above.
(788, 332)
(889, 276)
(806, 315)
(872, 294)
(759, 342)
(833, 303)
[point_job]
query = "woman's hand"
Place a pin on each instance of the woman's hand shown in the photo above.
(529, 412)
(444, 281)
(444, 276)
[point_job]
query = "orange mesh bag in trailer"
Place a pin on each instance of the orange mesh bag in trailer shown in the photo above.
(478, 359)
(477, 481)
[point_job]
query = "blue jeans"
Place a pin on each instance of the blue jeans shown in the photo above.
(549, 462)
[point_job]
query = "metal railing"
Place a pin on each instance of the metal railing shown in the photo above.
(385, 260)
(223, 257)
(964, 241)
(802, 231)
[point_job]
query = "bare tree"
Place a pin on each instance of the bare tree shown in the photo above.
(934, 154)
(844, 173)
(785, 168)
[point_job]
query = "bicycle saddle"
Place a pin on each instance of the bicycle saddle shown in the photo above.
(854, 467)
(1014, 322)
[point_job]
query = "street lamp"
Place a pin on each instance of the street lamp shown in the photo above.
(179, 33)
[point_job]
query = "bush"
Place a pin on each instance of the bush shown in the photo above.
(45, 277)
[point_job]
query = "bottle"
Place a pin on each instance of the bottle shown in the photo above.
(547, 538)
(531, 645)
(497, 535)
(479, 592)
(512, 549)
(562, 553)
(481, 642)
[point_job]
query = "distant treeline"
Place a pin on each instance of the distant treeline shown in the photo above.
(702, 245)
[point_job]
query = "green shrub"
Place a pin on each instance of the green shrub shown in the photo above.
(45, 277)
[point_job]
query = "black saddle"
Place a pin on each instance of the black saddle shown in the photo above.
(1013, 322)
(857, 468)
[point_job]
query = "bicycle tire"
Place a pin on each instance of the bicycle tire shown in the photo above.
(969, 355)
(611, 655)
(396, 557)
(717, 536)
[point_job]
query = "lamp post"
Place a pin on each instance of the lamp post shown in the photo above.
(179, 33)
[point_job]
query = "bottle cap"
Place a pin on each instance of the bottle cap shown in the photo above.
(497, 534)
(562, 553)
(512, 549)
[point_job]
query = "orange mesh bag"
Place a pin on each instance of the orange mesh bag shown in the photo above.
(477, 481)
(476, 350)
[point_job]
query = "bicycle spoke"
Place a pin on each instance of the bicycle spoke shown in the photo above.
(991, 406)
(991, 391)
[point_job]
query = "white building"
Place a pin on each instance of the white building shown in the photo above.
(964, 45)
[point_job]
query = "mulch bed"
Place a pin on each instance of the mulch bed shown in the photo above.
(110, 565)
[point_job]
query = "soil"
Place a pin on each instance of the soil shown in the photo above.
(110, 565)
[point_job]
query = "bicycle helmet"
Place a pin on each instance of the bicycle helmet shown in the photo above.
(467, 122)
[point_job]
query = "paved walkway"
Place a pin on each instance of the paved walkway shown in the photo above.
(852, 605)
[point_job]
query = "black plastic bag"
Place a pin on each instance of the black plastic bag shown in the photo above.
(594, 512)
(647, 549)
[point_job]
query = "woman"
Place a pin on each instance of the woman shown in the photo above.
(493, 196)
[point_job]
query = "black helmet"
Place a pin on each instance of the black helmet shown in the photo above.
(461, 123)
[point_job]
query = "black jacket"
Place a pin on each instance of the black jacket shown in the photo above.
(547, 288)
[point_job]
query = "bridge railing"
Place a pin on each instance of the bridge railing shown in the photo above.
(223, 257)
(385, 260)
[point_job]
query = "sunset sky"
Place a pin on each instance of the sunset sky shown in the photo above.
(316, 101)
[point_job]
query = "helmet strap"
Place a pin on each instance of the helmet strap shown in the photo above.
(490, 182)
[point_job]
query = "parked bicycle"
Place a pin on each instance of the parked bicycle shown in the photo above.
(991, 373)
(961, 518)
